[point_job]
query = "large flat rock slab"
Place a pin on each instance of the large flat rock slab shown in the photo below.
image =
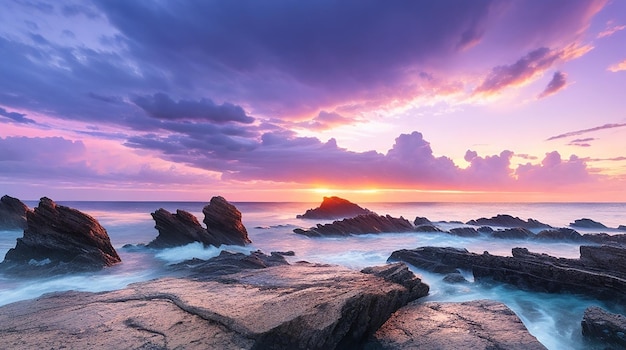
(303, 306)
(480, 324)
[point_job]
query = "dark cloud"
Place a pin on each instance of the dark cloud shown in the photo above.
(557, 83)
(15, 117)
(161, 106)
(585, 131)
(582, 142)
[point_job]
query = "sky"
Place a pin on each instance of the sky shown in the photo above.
(285, 100)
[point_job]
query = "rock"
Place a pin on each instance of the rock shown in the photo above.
(228, 263)
(178, 229)
(399, 273)
(603, 238)
(621, 227)
(223, 223)
(59, 239)
(464, 232)
(12, 213)
(301, 306)
(485, 229)
(334, 208)
(362, 224)
(505, 220)
(607, 327)
(421, 221)
(600, 272)
(454, 278)
(512, 233)
(479, 324)
(427, 228)
(560, 234)
(587, 223)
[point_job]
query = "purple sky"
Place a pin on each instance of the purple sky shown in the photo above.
(287, 100)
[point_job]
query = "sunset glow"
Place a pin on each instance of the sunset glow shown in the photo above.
(452, 101)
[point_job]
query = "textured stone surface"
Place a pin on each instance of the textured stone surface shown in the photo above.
(602, 325)
(362, 224)
(12, 213)
(334, 208)
(505, 220)
(480, 324)
(223, 223)
(560, 234)
(302, 306)
(59, 239)
(178, 229)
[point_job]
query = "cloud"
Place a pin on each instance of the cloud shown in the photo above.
(585, 131)
(618, 67)
(557, 83)
(582, 142)
(325, 121)
(610, 30)
(553, 172)
(15, 117)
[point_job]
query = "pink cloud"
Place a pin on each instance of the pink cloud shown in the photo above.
(618, 67)
(610, 30)
(553, 172)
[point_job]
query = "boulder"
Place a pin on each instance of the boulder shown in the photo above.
(512, 233)
(421, 221)
(562, 233)
(334, 208)
(362, 224)
(599, 324)
(587, 223)
(59, 239)
(223, 223)
(300, 306)
(178, 229)
(464, 232)
(12, 213)
(600, 272)
(479, 324)
(505, 220)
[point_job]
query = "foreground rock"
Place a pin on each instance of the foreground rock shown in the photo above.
(59, 239)
(334, 208)
(223, 223)
(301, 306)
(600, 272)
(607, 327)
(178, 229)
(362, 224)
(12, 213)
(480, 324)
(505, 220)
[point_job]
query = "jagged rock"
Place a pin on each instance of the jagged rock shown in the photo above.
(427, 228)
(560, 234)
(59, 239)
(228, 263)
(587, 223)
(464, 232)
(301, 306)
(362, 224)
(604, 238)
(12, 213)
(178, 229)
(421, 221)
(334, 208)
(399, 273)
(600, 272)
(223, 223)
(602, 325)
(479, 324)
(512, 233)
(505, 220)
(485, 229)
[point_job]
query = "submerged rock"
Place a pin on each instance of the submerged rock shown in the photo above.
(505, 220)
(587, 223)
(602, 325)
(479, 324)
(600, 272)
(301, 306)
(59, 239)
(362, 224)
(12, 213)
(334, 208)
(223, 223)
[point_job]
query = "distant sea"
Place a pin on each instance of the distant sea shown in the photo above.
(553, 318)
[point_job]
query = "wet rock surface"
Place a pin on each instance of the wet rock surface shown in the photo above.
(59, 239)
(362, 224)
(223, 223)
(505, 220)
(587, 223)
(334, 208)
(278, 307)
(599, 324)
(178, 229)
(12, 213)
(480, 324)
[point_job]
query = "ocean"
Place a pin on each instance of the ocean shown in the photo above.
(553, 318)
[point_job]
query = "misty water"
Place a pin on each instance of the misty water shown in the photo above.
(553, 318)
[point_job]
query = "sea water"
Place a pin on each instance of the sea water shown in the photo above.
(553, 318)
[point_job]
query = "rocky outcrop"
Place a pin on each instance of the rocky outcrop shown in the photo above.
(300, 306)
(512, 233)
(479, 324)
(362, 224)
(505, 220)
(12, 213)
(560, 234)
(600, 272)
(421, 221)
(587, 223)
(599, 324)
(464, 232)
(334, 208)
(621, 227)
(427, 228)
(59, 239)
(223, 223)
(178, 229)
